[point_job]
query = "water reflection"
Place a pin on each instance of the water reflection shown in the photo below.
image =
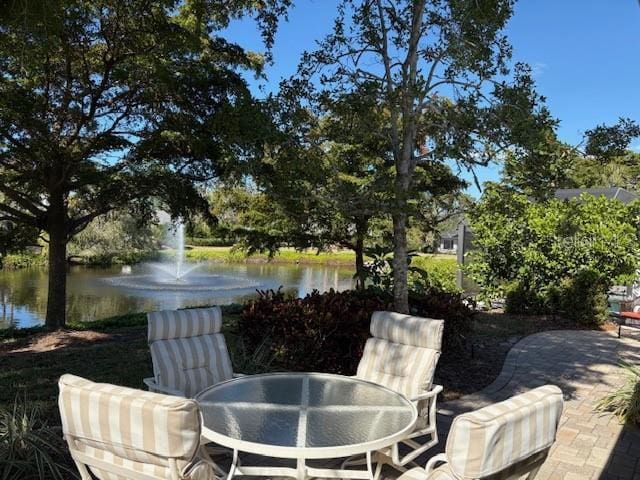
(91, 295)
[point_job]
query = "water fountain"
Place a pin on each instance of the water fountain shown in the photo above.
(176, 270)
(177, 274)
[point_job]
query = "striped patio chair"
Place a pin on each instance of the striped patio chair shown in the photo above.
(117, 433)
(402, 355)
(188, 351)
(504, 441)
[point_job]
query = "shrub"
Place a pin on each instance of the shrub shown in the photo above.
(536, 252)
(625, 402)
(14, 261)
(426, 272)
(583, 298)
(456, 312)
(254, 361)
(440, 273)
(321, 332)
(29, 448)
(520, 298)
(326, 332)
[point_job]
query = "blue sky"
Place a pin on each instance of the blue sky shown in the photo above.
(585, 55)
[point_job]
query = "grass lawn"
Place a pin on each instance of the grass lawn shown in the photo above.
(286, 255)
(113, 350)
(290, 255)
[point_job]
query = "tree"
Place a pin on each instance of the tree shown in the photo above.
(341, 158)
(535, 252)
(607, 160)
(116, 237)
(110, 103)
(433, 65)
(330, 175)
(318, 185)
(602, 159)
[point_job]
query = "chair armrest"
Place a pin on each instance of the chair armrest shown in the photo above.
(431, 464)
(435, 390)
(151, 384)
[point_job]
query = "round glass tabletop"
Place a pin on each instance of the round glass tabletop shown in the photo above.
(304, 415)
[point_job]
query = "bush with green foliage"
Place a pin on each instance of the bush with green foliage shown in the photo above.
(542, 255)
(426, 272)
(30, 449)
(116, 238)
(326, 332)
(624, 402)
(583, 298)
(24, 259)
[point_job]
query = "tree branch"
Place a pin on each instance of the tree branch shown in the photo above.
(20, 217)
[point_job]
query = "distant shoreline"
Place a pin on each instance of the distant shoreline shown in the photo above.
(286, 256)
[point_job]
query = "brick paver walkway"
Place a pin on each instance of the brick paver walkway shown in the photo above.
(585, 365)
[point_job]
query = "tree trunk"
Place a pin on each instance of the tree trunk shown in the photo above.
(57, 296)
(404, 172)
(400, 265)
(359, 249)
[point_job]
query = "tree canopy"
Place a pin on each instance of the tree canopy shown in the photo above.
(532, 252)
(112, 103)
(439, 69)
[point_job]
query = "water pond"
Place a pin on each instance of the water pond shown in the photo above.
(94, 293)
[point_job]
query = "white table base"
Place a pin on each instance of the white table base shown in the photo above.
(303, 471)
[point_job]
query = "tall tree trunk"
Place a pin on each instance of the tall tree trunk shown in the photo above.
(359, 249)
(400, 265)
(402, 187)
(57, 296)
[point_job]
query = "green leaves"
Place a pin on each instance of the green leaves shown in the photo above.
(29, 448)
(624, 403)
(536, 246)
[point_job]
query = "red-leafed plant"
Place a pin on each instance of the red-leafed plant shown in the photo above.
(326, 332)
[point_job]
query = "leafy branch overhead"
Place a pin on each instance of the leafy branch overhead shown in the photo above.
(440, 72)
(111, 103)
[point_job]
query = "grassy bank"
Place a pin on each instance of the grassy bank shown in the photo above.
(14, 261)
(231, 255)
(290, 255)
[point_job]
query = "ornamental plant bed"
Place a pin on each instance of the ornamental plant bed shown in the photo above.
(327, 332)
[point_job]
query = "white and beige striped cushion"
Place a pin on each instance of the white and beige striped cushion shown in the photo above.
(403, 353)
(190, 322)
(137, 430)
(499, 436)
(517, 471)
(407, 329)
(187, 349)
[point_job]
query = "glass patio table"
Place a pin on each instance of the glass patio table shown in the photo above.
(304, 416)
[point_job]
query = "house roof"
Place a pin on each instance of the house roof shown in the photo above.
(449, 235)
(613, 193)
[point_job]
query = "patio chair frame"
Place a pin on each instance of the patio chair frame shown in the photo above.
(83, 460)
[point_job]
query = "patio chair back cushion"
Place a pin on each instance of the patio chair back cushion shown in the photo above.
(132, 429)
(504, 439)
(402, 353)
(187, 349)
